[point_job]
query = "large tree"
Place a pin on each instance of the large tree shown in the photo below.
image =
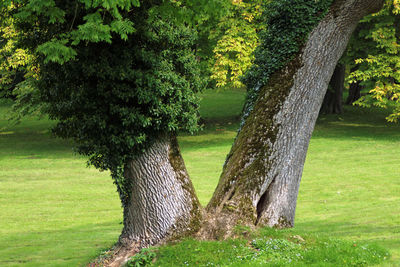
(299, 50)
(374, 52)
(122, 100)
(127, 83)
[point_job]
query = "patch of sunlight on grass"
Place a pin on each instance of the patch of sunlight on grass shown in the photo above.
(6, 133)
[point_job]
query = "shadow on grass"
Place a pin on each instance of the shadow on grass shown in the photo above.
(32, 141)
(74, 246)
(354, 232)
(359, 123)
(355, 125)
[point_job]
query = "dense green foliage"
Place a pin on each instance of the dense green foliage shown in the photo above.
(15, 63)
(374, 54)
(287, 24)
(237, 40)
(73, 23)
(113, 91)
(84, 22)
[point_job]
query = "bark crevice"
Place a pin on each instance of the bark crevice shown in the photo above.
(263, 201)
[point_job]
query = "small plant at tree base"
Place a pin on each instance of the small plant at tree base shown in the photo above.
(143, 258)
(268, 247)
(277, 250)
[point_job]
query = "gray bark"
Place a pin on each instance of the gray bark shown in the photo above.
(261, 177)
(163, 204)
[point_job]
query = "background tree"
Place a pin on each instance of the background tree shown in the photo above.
(204, 16)
(375, 49)
(12, 59)
(17, 68)
(372, 60)
(237, 40)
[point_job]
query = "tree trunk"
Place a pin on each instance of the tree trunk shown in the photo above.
(333, 100)
(163, 204)
(354, 91)
(261, 176)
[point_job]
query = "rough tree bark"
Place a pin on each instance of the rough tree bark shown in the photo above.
(261, 176)
(333, 100)
(163, 204)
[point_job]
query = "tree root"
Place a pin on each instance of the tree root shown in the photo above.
(116, 256)
(221, 226)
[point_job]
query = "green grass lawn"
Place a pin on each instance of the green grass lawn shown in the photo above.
(53, 210)
(56, 212)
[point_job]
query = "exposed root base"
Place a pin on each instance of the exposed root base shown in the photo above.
(117, 256)
(225, 225)
(218, 226)
(221, 226)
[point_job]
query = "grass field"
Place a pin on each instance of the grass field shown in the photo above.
(56, 212)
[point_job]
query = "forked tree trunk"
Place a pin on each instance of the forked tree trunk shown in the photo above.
(163, 204)
(261, 177)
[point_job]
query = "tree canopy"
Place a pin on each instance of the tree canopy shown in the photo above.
(112, 94)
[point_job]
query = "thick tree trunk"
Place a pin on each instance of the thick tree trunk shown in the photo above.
(261, 177)
(163, 204)
(333, 100)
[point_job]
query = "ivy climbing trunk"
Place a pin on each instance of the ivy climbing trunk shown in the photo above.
(261, 176)
(162, 203)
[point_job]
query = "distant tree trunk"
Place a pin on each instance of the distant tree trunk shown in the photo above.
(261, 176)
(333, 100)
(163, 204)
(354, 91)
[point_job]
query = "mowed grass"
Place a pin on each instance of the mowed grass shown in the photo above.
(351, 182)
(56, 212)
(53, 210)
(266, 247)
